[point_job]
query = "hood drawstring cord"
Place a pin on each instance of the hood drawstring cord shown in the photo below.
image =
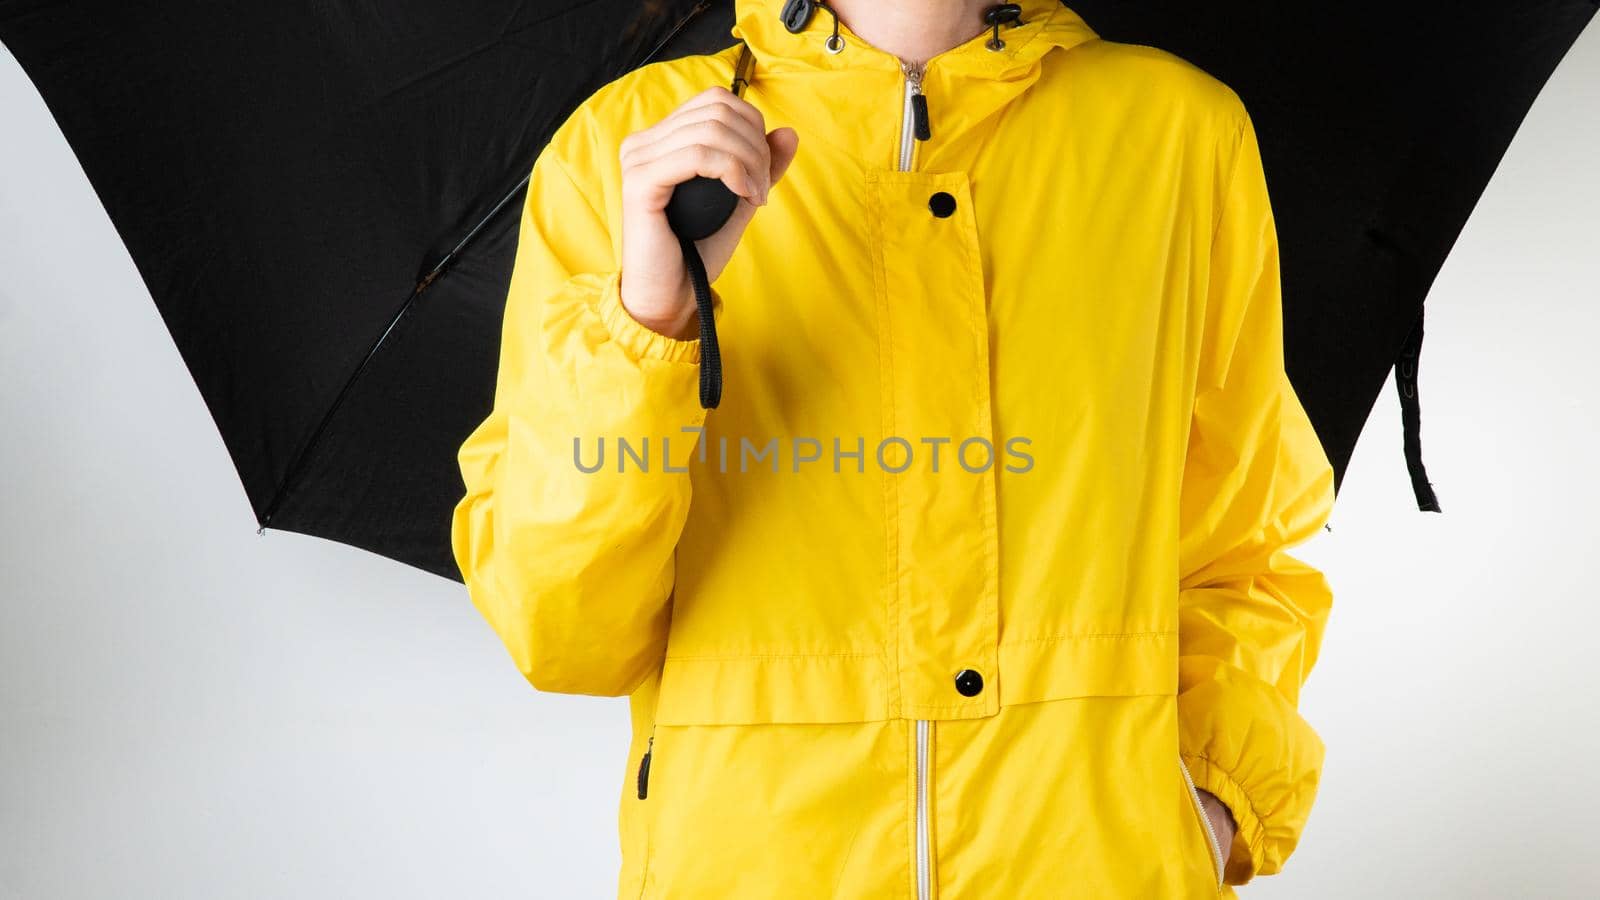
(834, 43)
(1001, 14)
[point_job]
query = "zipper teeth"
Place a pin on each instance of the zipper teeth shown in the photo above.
(924, 887)
(908, 138)
(1211, 833)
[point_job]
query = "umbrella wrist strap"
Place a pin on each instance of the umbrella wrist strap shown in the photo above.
(710, 351)
(1405, 382)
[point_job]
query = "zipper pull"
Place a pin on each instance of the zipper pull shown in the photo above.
(644, 768)
(919, 103)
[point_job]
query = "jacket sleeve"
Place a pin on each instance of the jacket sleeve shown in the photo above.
(1256, 481)
(574, 570)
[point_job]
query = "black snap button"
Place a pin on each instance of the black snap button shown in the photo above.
(942, 205)
(968, 682)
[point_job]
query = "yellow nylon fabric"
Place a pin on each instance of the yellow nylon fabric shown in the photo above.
(793, 581)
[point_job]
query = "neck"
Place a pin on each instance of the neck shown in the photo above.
(914, 30)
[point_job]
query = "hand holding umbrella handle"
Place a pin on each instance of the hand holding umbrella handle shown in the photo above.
(698, 209)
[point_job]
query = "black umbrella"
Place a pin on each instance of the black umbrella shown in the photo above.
(321, 197)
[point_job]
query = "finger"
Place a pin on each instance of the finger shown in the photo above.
(716, 104)
(717, 135)
(719, 95)
(675, 133)
(711, 99)
(657, 178)
(714, 131)
(783, 143)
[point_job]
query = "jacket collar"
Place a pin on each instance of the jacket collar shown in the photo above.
(851, 100)
(1045, 24)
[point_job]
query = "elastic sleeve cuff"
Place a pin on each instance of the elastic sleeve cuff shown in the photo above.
(1246, 743)
(639, 341)
(1248, 851)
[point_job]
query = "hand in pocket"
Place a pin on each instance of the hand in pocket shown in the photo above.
(1221, 817)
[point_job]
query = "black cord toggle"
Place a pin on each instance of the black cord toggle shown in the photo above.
(1001, 14)
(797, 16)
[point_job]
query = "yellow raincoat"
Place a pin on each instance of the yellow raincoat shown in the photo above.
(979, 568)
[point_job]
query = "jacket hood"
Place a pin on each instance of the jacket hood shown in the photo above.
(852, 99)
(1044, 24)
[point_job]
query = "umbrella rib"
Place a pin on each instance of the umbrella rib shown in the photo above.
(292, 476)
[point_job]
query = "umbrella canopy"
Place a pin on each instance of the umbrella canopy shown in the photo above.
(1380, 124)
(295, 182)
(321, 197)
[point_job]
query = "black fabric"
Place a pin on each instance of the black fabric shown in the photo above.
(322, 197)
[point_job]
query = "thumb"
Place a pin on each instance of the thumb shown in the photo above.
(783, 142)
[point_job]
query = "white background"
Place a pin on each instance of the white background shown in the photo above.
(190, 710)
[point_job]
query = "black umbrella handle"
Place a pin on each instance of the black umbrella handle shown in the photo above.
(698, 209)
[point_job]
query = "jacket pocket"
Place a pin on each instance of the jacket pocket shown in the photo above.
(1218, 860)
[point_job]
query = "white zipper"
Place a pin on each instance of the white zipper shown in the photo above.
(908, 142)
(1200, 808)
(924, 876)
(908, 135)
